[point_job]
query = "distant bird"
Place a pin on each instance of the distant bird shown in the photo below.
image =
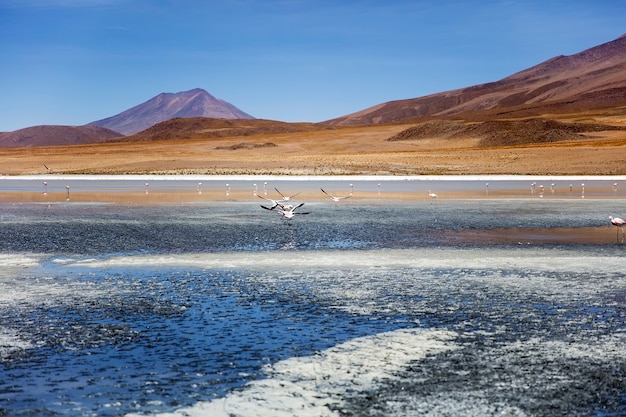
(286, 197)
(432, 195)
(335, 198)
(619, 223)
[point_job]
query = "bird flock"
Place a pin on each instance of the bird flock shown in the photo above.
(284, 207)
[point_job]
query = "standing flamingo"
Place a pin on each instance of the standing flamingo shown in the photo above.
(432, 195)
(620, 223)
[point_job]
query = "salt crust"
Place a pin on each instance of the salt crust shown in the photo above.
(313, 386)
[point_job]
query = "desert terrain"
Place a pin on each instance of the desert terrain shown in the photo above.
(340, 150)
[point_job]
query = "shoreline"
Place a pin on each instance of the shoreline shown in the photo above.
(155, 189)
(245, 177)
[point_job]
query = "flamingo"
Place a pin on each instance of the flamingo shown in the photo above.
(432, 195)
(334, 198)
(286, 197)
(620, 223)
(275, 203)
(289, 211)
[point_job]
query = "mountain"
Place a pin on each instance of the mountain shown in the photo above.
(205, 128)
(592, 79)
(55, 135)
(166, 106)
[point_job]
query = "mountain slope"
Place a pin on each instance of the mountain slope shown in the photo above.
(46, 135)
(206, 128)
(166, 106)
(592, 79)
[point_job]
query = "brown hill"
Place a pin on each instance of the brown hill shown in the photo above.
(206, 128)
(592, 79)
(504, 132)
(55, 135)
(166, 106)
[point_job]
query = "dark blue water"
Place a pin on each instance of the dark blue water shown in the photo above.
(240, 289)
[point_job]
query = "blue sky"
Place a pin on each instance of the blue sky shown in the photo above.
(71, 62)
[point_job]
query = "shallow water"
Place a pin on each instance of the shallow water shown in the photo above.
(367, 307)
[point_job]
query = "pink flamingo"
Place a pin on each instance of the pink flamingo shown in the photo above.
(620, 223)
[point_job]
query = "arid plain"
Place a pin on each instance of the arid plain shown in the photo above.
(320, 150)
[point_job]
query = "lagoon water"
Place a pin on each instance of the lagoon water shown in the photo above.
(498, 301)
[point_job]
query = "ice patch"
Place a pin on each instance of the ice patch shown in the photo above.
(316, 385)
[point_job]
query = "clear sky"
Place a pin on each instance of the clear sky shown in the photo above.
(71, 62)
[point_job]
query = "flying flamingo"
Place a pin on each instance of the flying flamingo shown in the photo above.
(620, 223)
(289, 211)
(275, 203)
(334, 198)
(286, 197)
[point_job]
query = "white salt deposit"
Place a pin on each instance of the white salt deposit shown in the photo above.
(316, 385)
(11, 342)
(15, 260)
(422, 258)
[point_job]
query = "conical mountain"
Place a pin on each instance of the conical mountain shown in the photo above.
(166, 106)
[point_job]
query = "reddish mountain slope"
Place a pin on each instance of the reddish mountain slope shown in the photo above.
(205, 128)
(166, 106)
(55, 135)
(592, 79)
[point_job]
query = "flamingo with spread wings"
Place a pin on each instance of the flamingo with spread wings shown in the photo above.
(288, 211)
(335, 198)
(286, 197)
